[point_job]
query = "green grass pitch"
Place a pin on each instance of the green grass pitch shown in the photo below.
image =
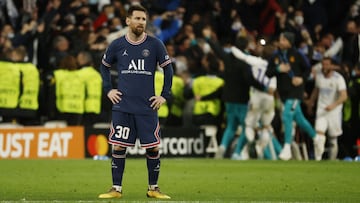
(185, 180)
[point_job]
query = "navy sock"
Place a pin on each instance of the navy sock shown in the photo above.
(117, 166)
(153, 166)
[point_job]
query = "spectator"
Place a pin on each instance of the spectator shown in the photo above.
(68, 92)
(30, 85)
(93, 88)
(207, 90)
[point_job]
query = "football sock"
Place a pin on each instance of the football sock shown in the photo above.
(250, 133)
(153, 166)
(333, 148)
(153, 187)
(117, 188)
(117, 166)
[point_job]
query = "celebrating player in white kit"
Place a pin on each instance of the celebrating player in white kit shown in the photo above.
(330, 92)
(261, 104)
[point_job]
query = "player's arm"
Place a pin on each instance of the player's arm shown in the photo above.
(112, 94)
(274, 67)
(105, 65)
(251, 81)
(168, 75)
(214, 95)
(249, 59)
(341, 99)
(157, 101)
(106, 78)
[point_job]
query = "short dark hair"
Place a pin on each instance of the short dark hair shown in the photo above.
(136, 7)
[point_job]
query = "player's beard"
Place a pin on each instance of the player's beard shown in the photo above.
(138, 31)
(326, 72)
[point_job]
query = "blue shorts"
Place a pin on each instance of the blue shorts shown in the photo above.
(126, 127)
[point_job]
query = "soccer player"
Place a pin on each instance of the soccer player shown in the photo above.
(291, 71)
(238, 79)
(330, 93)
(135, 105)
(261, 105)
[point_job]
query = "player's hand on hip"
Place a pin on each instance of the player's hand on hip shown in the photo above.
(114, 95)
(157, 101)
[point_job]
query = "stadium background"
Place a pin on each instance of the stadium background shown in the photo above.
(259, 19)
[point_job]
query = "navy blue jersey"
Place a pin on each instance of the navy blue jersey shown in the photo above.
(136, 63)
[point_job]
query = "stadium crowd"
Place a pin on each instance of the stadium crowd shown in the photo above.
(51, 52)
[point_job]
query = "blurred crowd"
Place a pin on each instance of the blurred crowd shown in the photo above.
(51, 51)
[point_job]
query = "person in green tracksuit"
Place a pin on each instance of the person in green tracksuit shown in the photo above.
(291, 71)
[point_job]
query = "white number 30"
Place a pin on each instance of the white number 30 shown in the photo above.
(122, 132)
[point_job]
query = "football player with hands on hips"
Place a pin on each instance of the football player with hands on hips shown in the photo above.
(137, 55)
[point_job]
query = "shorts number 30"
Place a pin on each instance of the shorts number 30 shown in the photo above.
(122, 132)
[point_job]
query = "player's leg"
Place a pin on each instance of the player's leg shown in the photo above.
(149, 136)
(334, 131)
(117, 171)
(287, 120)
(153, 166)
(266, 117)
(242, 141)
(273, 149)
(248, 135)
(321, 125)
(229, 133)
(122, 134)
(303, 123)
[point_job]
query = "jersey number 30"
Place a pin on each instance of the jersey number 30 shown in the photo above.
(122, 132)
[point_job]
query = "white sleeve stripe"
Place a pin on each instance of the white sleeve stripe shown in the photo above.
(105, 64)
(165, 63)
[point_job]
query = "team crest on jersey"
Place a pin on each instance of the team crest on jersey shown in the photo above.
(145, 53)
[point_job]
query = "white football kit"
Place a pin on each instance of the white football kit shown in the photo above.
(261, 104)
(329, 89)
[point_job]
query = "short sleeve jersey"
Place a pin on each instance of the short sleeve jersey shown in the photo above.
(136, 63)
(329, 90)
(259, 69)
